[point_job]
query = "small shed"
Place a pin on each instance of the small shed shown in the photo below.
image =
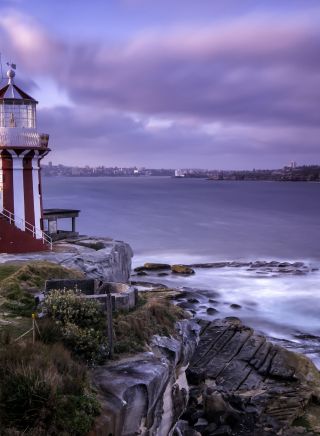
(51, 222)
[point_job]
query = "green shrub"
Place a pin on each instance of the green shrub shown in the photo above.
(44, 392)
(81, 322)
(70, 306)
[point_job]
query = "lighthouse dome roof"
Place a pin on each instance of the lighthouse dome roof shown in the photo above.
(12, 91)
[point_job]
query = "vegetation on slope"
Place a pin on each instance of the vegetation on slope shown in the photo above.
(20, 281)
(43, 391)
(153, 316)
(44, 388)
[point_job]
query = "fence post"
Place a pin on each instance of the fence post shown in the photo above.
(109, 324)
(33, 329)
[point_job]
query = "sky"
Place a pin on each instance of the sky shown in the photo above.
(217, 84)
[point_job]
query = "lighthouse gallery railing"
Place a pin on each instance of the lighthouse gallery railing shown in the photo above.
(20, 137)
(28, 227)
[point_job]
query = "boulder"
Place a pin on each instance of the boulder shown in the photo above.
(155, 266)
(212, 311)
(182, 269)
(235, 306)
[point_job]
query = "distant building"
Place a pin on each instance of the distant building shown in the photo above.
(179, 173)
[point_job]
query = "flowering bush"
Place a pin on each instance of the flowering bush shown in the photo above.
(81, 321)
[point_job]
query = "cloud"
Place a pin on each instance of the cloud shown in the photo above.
(248, 87)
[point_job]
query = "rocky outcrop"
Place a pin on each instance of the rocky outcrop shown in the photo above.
(262, 267)
(182, 269)
(100, 258)
(244, 385)
(146, 394)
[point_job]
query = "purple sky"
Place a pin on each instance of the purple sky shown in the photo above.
(179, 83)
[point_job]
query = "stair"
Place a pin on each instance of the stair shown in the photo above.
(14, 240)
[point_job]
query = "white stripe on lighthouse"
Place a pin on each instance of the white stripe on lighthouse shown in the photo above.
(36, 195)
(18, 189)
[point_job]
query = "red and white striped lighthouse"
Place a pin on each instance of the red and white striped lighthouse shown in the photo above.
(21, 150)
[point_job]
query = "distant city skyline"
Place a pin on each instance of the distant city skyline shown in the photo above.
(224, 84)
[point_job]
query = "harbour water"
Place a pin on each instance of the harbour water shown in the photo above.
(199, 221)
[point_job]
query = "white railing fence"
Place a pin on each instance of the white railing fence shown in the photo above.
(22, 224)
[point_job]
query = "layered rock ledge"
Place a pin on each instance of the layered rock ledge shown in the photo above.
(101, 258)
(244, 385)
(147, 393)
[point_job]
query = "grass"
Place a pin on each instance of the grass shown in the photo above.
(134, 330)
(20, 281)
(43, 391)
(31, 277)
(7, 270)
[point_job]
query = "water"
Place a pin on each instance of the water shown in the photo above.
(191, 220)
(196, 219)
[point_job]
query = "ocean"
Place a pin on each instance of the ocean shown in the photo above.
(198, 221)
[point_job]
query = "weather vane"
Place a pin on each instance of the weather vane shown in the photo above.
(11, 65)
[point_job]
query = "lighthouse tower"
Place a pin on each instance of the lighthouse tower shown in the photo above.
(21, 150)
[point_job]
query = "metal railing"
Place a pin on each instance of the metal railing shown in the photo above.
(12, 219)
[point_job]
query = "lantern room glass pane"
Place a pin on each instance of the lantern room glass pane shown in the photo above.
(18, 115)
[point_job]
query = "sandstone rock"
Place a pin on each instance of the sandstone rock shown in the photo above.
(182, 269)
(254, 384)
(147, 393)
(110, 263)
(155, 266)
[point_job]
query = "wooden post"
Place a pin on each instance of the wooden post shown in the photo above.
(109, 324)
(73, 224)
(33, 329)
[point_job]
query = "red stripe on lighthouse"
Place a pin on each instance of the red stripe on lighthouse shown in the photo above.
(7, 167)
(28, 190)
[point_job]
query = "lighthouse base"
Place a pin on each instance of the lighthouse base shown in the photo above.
(14, 240)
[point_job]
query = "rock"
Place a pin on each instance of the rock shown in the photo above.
(224, 430)
(147, 393)
(111, 263)
(212, 311)
(200, 425)
(182, 429)
(156, 266)
(213, 301)
(182, 269)
(235, 306)
(162, 274)
(208, 431)
(193, 300)
(252, 384)
(141, 273)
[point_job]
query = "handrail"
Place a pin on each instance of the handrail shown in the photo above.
(28, 227)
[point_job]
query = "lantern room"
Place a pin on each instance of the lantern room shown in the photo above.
(17, 109)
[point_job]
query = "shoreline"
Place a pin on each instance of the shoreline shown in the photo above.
(272, 304)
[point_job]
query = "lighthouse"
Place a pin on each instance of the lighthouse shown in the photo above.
(21, 149)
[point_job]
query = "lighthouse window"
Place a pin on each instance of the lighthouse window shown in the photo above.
(22, 114)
